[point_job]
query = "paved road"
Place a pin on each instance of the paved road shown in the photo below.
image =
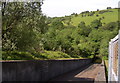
(88, 73)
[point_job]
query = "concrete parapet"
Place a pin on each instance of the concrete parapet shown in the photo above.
(39, 70)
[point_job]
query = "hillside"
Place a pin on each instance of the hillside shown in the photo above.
(103, 25)
(106, 16)
(37, 36)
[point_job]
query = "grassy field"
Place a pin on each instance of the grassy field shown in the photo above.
(107, 17)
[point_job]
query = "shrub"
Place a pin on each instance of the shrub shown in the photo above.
(75, 56)
(55, 54)
(51, 55)
(15, 55)
(39, 55)
(105, 58)
(91, 13)
(97, 15)
(97, 59)
(90, 56)
(64, 55)
(109, 8)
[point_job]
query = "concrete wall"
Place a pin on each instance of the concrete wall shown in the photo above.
(39, 70)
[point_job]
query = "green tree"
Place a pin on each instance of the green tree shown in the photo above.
(110, 26)
(96, 24)
(22, 25)
(83, 29)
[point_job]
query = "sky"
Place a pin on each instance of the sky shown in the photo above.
(58, 8)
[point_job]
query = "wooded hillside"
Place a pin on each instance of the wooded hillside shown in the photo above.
(28, 34)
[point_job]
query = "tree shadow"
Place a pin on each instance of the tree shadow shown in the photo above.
(70, 77)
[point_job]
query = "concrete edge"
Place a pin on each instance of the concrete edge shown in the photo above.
(101, 76)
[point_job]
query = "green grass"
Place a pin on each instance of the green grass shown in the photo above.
(108, 17)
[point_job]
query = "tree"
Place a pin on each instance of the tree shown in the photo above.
(96, 24)
(97, 15)
(97, 9)
(109, 8)
(83, 29)
(110, 26)
(22, 25)
(57, 25)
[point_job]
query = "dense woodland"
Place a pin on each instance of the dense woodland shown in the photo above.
(28, 34)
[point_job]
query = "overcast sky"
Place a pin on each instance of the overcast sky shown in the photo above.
(59, 8)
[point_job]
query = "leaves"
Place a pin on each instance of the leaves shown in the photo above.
(26, 29)
(23, 23)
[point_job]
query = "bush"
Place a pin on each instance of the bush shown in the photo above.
(39, 56)
(55, 55)
(90, 56)
(105, 58)
(91, 13)
(15, 55)
(51, 55)
(97, 59)
(64, 55)
(75, 56)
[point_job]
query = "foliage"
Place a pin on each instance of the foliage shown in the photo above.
(16, 55)
(28, 34)
(97, 60)
(96, 24)
(110, 26)
(23, 23)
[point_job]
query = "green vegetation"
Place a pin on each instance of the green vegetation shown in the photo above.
(27, 34)
(16, 55)
(106, 16)
(106, 68)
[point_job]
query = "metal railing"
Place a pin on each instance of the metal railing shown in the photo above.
(114, 59)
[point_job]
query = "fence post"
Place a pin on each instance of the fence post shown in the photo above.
(119, 57)
(109, 61)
